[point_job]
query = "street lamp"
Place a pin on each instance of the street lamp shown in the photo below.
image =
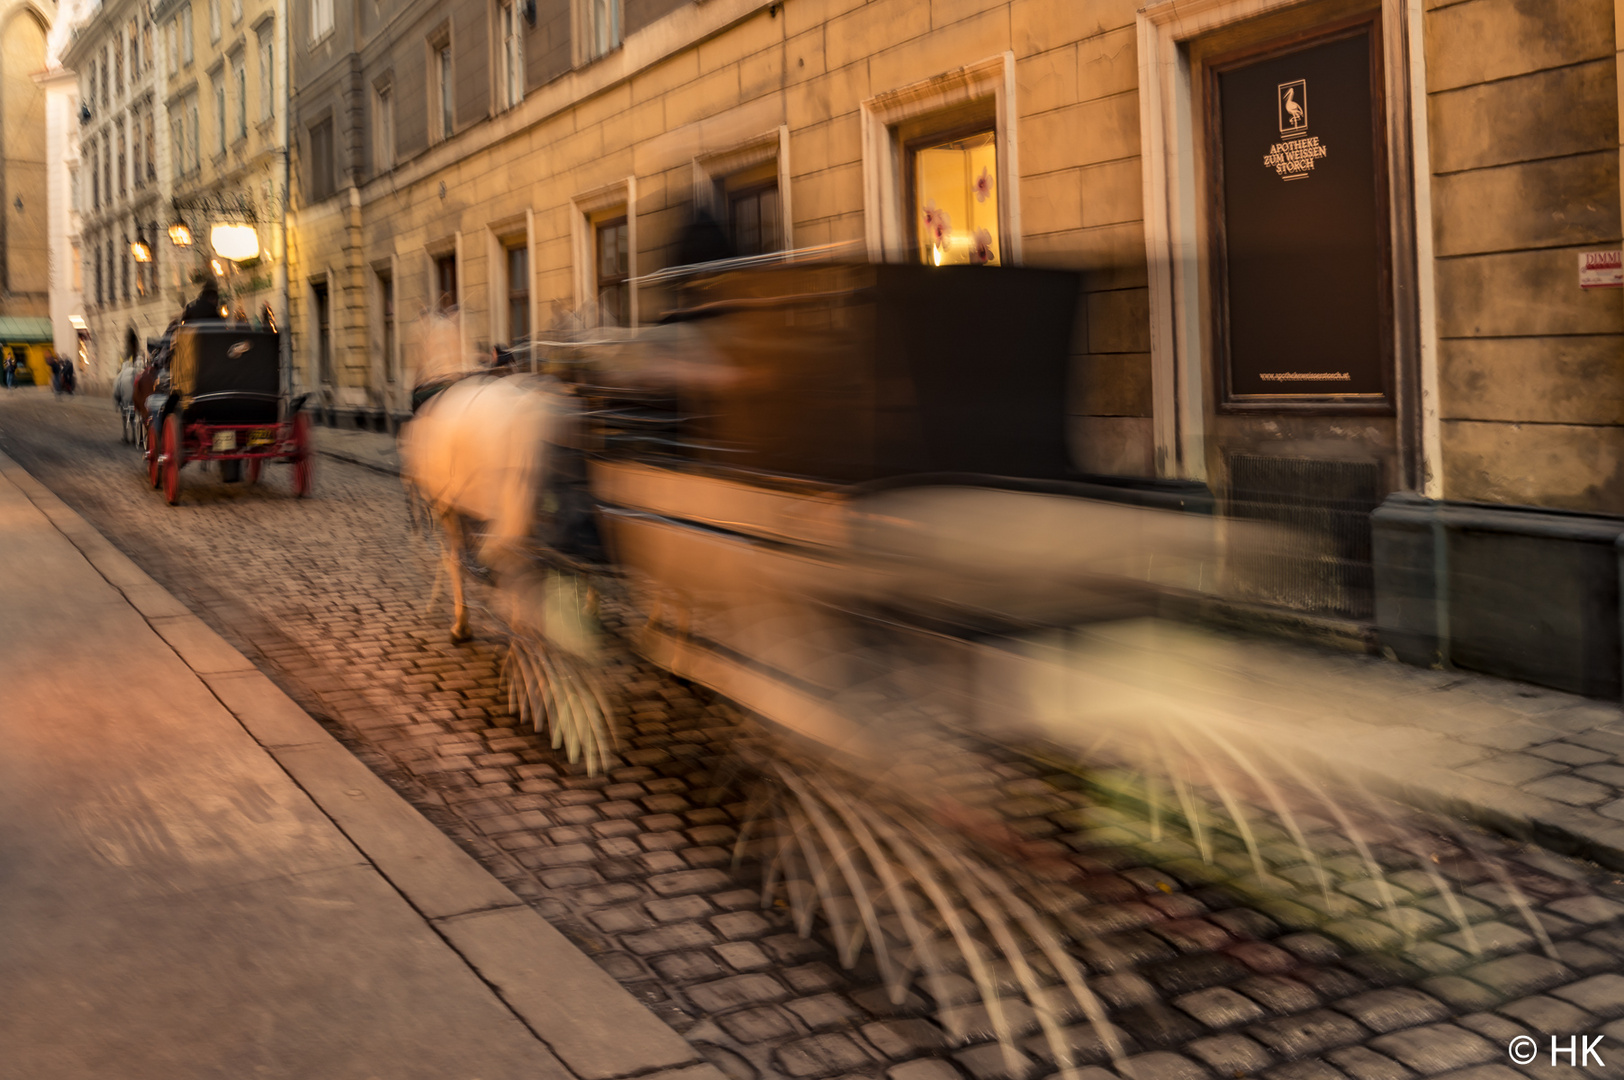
(239, 243)
(180, 235)
(140, 251)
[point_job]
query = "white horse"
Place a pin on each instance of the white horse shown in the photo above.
(481, 450)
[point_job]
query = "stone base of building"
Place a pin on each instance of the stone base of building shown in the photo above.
(1519, 592)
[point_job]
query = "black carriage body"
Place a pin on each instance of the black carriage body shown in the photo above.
(225, 374)
(900, 374)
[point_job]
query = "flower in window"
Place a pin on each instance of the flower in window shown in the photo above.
(983, 186)
(937, 223)
(982, 253)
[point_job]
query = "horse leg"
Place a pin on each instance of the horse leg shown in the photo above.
(453, 565)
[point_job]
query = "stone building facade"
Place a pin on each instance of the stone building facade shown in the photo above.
(181, 123)
(223, 86)
(24, 242)
(123, 193)
(1343, 262)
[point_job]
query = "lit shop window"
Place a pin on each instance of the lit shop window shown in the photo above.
(955, 192)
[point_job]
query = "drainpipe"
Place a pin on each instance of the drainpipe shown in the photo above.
(282, 104)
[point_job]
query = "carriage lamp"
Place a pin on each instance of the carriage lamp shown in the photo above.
(180, 235)
(238, 243)
(140, 252)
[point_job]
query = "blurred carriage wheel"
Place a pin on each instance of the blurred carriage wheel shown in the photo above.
(153, 442)
(172, 459)
(302, 469)
(254, 466)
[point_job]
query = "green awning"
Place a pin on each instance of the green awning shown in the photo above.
(25, 328)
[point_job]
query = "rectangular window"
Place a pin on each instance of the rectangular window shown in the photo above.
(386, 307)
(214, 20)
(239, 83)
(220, 114)
(267, 77)
(106, 67)
(324, 331)
(321, 161)
(445, 281)
(138, 172)
(95, 177)
(518, 294)
(123, 161)
(603, 26)
(383, 128)
(511, 66)
(75, 199)
(135, 51)
(954, 191)
(194, 134)
(118, 66)
(321, 19)
(186, 34)
(236, 12)
(614, 273)
(444, 90)
(172, 45)
(101, 296)
(107, 165)
(152, 148)
(177, 146)
(122, 256)
(147, 56)
(753, 219)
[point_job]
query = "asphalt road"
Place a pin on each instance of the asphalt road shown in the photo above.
(1203, 976)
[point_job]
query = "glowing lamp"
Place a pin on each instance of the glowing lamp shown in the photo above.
(239, 243)
(140, 251)
(180, 235)
(218, 267)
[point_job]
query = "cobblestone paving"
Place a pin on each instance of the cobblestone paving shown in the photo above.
(1204, 970)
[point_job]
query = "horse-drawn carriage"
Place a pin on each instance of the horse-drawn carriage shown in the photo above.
(224, 403)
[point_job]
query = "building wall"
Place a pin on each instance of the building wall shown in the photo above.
(1524, 125)
(648, 110)
(24, 270)
(137, 205)
(62, 163)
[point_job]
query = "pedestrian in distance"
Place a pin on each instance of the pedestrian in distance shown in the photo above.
(10, 370)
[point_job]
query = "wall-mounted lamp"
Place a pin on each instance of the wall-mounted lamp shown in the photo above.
(140, 251)
(180, 235)
(218, 267)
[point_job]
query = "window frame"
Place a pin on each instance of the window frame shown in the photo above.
(217, 84)
(509, 42)
(214, 21)
(590, 44)
(238, 65)
(442, 86)
(897, 116)
(439, 263)
(321, 319)
(512, 295)
(620, 279)
(910, 147)
(323, 181)
(267, 75)
(383, 125)
(188, 45)
(322, 22)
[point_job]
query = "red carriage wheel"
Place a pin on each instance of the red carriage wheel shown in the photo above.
(153, 443)
(172, 459)
(301, 455)
(254, 465)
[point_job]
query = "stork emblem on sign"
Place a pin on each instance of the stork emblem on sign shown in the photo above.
(1293, 100)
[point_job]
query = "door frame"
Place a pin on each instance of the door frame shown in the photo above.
(1181, 363)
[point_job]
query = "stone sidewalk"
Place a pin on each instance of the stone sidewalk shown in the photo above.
(200, 881)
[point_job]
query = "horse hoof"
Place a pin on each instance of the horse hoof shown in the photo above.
(460, 636)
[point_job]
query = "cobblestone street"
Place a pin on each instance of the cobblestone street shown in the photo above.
(1203, 973)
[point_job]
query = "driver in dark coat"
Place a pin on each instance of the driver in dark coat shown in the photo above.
(206, 306)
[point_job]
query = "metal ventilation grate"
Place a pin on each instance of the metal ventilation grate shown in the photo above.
(1318, 560)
